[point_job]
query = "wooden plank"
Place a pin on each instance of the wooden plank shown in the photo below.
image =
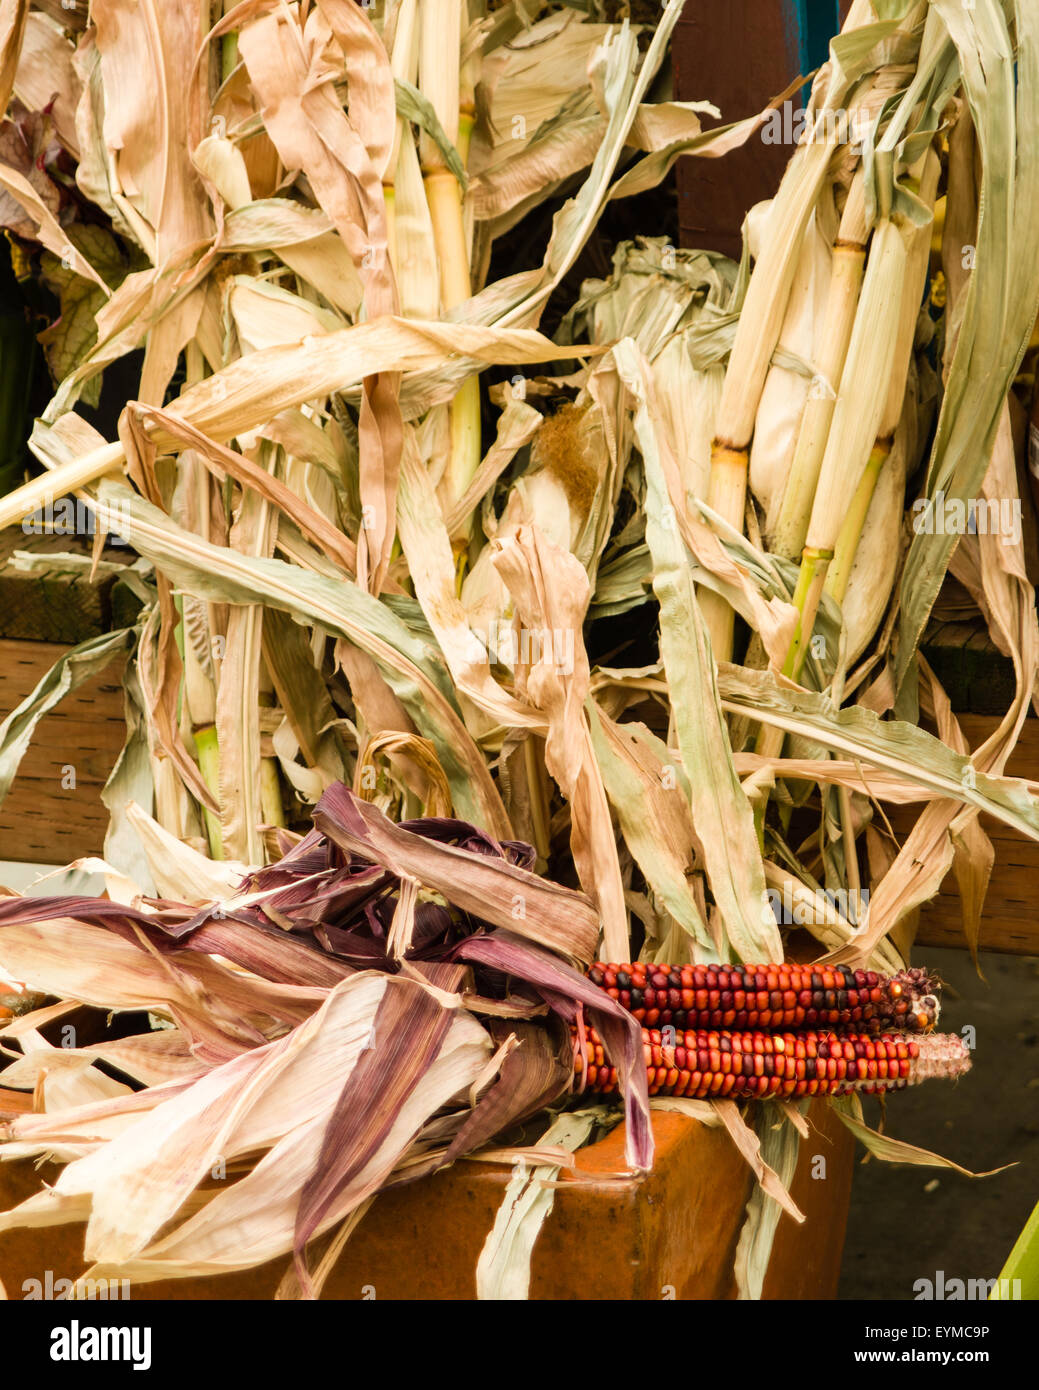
(42, 824)
(738, 56)
(1011, 932)
(24, 664)
(1010, 921)
(974, 674)
(1024, 760)
(43, 821)
(54, 605)
(91, 748)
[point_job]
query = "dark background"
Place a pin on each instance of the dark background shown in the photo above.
(906, 1223)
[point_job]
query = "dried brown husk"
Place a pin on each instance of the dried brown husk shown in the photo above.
(269, 226)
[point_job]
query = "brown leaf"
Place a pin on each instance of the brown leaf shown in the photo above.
(532, 1076)
(406, 1034)
(492, 889)
(13, 17)
(551, 592)
(749, 1146)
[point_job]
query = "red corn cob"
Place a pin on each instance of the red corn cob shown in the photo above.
(708, 1063)
(772, 996)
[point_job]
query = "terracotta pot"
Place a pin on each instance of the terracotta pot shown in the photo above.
(669, 1234)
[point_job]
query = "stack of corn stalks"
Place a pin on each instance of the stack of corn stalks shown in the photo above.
(404, 559)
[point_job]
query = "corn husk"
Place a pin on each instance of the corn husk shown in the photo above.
(785, 392)
(378, 473)
(789, 525)
(878, 553)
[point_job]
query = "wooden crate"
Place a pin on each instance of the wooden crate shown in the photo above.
(1009, 921)
(670, 1233)
(740, 55)
(43, 821)
(55, 605)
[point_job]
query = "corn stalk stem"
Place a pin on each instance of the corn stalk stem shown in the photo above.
(466, 125)
(532, 763)
(208, 748)
(854, 521)
(727, 495)
(447, 86)
(923, 181)
(271, 806)
(769, 742)
(864, 388)
(757, 333)
(811, 580)
(389, 194)
(404, 65)
(29, 498)
(228, 47)
(768, 294)
(198, 689)
(851, 856)
(444, 195)
(849, 259)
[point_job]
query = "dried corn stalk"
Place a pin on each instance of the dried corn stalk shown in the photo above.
(394, 538)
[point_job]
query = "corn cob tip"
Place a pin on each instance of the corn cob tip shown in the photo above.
(942, 1056)
(910, 999)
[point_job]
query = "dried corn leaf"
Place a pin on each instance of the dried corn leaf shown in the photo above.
(903, 748)
(14, 15)
(427, 548)
(551, 591)
(216, 573)
(70, 671)
(492, 889)
(503, 1270)
(779, 1151)
(849, 1112)
(46, 77)
(721, 813)
(653, 811)
(178, 871)
(537, 1070)
(1003, 292)
(408, 1031)
(566, 991)
(749, 1146)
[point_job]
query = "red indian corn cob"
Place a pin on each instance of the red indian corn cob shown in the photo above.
(703, 1062)
(772, 996)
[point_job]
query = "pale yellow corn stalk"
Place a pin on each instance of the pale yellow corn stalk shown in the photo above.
(787, 392)
(859, 409)
(918, 243)
(849, 257)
